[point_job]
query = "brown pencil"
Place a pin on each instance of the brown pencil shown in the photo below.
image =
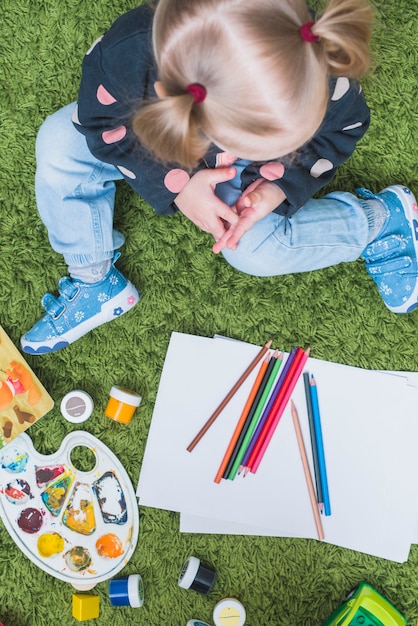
(229, 396)
(307, 472)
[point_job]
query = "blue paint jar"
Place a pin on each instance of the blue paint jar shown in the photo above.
(127, 591)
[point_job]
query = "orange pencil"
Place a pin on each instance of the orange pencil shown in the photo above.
(255, 453)
(307, 472)
(229, 396)
(279, 409)
(242, 419)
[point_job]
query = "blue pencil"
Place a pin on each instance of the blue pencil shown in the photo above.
(320, 446)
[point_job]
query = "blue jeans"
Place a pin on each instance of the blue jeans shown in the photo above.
(75, 195)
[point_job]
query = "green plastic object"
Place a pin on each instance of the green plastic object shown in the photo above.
(366, 607)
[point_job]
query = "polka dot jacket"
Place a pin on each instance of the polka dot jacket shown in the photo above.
(119, 71)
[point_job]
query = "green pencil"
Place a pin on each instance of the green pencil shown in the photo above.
(253, 424)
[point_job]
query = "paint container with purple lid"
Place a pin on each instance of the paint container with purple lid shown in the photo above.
(194, 575)
(127, 591)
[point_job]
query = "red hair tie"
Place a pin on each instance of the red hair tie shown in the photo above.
(197, 91)
(307, 34)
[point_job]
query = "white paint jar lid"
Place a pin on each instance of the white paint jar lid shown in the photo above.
(77, 406)
(125, 395)
(229, 611)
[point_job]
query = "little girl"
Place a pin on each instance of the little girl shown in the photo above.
(235, 113)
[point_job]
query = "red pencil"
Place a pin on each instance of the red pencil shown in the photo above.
(278, 409)
(242, 419)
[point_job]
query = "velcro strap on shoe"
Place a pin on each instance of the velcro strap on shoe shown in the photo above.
(67, 288)
(383, 248)
(52, 305)
(399, 264)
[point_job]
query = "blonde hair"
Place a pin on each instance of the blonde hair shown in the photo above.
(260, 76)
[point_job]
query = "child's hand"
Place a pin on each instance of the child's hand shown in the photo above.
(257, 201)
(198, 202)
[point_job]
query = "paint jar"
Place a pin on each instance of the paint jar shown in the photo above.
(77, 406)
(229, 611)
(127, 591)
(193, 622)
(122, 404)
(196, 576)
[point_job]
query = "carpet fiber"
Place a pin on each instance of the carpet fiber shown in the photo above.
(283, 582)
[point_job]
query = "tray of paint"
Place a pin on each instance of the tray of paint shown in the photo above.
(78, 525)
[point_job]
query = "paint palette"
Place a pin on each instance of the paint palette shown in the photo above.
(77, 525)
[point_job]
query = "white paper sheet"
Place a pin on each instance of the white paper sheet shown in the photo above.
(369, 428)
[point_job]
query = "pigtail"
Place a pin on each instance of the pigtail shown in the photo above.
(344, 29)
(170, 129)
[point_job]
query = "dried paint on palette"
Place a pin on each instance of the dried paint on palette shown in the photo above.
(111, 499)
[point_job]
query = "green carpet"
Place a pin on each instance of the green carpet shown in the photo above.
(283, 582)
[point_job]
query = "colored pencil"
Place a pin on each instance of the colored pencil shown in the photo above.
(280, 405)
(244, 414)
(250, 415)
(229, 396)
(307, 472)
(253, 416)
(320, 446)
(314, 448)
(268, 408)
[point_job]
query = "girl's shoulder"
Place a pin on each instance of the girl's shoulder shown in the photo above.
(136, 23)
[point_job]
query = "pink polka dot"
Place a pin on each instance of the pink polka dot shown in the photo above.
(112, 136)
(176, 180)
(104, 97)
(272, 171)
(225, 159)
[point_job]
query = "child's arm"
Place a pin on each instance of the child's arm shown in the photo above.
(314, 165)
(118, 73)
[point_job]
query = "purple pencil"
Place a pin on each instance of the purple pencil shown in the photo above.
(267, 409)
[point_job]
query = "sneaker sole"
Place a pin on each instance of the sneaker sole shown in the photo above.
(110, 310)
(408, 202)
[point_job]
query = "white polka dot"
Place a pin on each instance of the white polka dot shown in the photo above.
(74, 116)
(126, 172)
(341, 87)
(320, 167)
(356, 125)
(94, 44)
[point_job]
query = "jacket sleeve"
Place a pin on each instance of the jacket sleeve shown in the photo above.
(119, 72)
(314, 165)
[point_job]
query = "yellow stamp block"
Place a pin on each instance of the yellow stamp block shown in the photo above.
(85, 606)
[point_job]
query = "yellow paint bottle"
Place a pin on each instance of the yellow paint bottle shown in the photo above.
(122, 404)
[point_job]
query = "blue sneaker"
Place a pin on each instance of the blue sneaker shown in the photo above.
(391, 259)
(78, 309)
